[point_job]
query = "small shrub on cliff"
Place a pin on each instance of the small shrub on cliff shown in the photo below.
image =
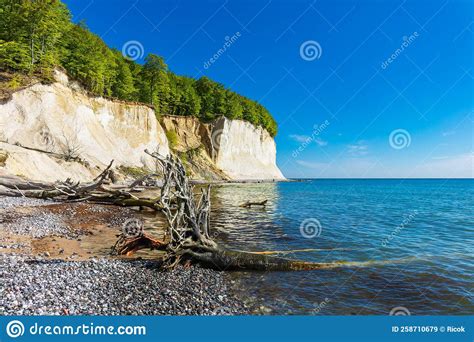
(14, 83)
(193, 153)
(134, 172)
(172, 139)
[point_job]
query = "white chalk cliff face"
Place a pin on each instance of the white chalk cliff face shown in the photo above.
(244, 151)
(43, 121)
(235, 147)
(56, 118)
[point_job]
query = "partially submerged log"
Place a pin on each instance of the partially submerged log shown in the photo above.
(228, 260)
(249, 204)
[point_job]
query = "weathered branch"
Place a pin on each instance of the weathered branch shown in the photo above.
(128, 246)
(249, 204)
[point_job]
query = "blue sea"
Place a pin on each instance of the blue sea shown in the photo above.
(393, 246)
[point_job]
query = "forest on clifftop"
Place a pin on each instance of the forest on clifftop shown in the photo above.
(38, 36)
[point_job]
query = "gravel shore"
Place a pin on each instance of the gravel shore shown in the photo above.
(110, 287)
(33, 285)
(12, 202)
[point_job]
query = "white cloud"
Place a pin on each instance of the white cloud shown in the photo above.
(300, 138)
(458, 166)
(345, 168)
(358, 149)
(321, 142)
(312, 165)
(448, 133)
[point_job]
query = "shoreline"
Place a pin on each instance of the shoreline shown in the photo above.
(53, 264)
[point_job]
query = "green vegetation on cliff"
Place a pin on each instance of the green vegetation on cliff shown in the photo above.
(37, 36)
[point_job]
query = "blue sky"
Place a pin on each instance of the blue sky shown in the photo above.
(387, 92)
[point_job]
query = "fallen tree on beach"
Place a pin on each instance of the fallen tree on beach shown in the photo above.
(188, 236)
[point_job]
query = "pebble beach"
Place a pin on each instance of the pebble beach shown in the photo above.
(35, 281)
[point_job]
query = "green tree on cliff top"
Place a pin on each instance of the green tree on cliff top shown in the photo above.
(37, 36)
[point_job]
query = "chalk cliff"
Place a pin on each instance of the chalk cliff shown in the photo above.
(244, 151)
(56, 131)
(231, 149)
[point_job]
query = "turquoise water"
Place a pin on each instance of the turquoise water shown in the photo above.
(406, 243)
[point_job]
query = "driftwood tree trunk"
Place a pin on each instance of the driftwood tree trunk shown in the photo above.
(188, 238)
(188, 234)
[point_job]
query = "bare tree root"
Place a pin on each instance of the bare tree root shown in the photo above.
(187, 238)
(128, 246)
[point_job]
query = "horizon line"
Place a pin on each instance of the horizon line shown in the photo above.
(381, 178)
